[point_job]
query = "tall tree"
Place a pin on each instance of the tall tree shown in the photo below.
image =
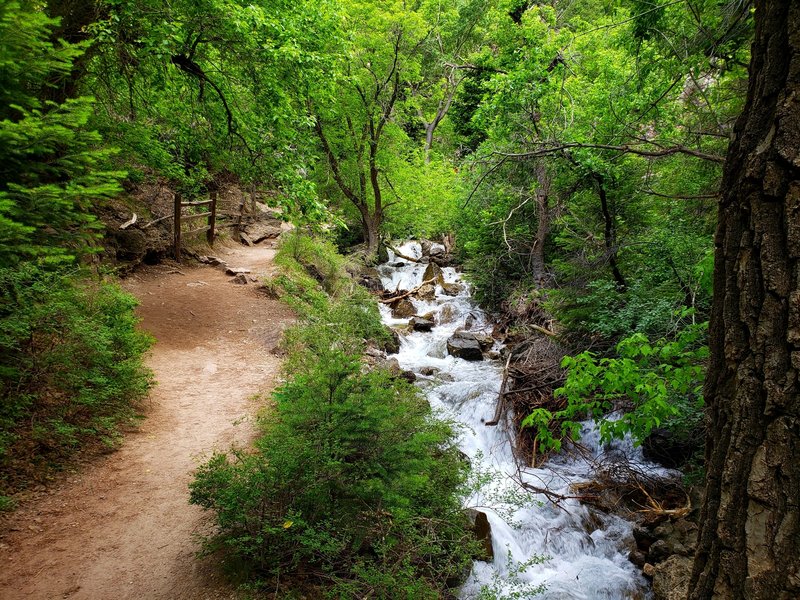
(360, 129)
(749, 545)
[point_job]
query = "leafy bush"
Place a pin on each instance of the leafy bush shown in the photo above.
(302, 254)
(658, 384)
(352, 486)
(315, 283)
(70, 367)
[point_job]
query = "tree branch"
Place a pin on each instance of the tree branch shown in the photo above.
(624, 149)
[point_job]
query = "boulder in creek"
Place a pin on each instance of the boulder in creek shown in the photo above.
(403, 309)
(469, 323)
(467, 349)
(370, 278)
(434, 272)
(447, 313)
(421, 324)
(452, 289)
(671, 578)
(485, 341)
(393, 366)
(426, 292)
(483, 532)
(429, 371)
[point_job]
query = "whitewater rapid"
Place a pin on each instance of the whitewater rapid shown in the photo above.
(541, 549)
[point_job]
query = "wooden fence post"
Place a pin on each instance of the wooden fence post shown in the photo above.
(177, 226)
(212, 219)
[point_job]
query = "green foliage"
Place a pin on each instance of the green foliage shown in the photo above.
(512, 585)
(314, 257)
(426, 195)
(71, 367)
(198, 91)
(596, 103)
(52, 172)
(70, 356)
(340, 313)
(657, 384)
(353, 484)
(6, 504)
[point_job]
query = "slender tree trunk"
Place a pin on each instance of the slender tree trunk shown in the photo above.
(610, 235)
(749, 544)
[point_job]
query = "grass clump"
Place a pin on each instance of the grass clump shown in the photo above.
(353, 488)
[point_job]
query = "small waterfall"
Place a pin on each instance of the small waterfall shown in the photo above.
(567, 549)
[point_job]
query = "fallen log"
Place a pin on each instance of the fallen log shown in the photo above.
(129, 222)
(403, 256)
(498, 411)
(391, 299)
(543, 330)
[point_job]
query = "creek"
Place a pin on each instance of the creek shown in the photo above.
(543, 549)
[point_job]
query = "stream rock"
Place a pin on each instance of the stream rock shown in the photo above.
(469, 322)
(394, 368)
(434, 271)
(671, 578)
(464, 348)
(452, 289)
(421, 324)
(483, 532)
(370, 278)
(426, 292)
(403, 309)
(485, 341)
(392, 345)
(447, 313)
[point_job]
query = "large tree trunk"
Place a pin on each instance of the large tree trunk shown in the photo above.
(537, 262)
(749, 545)
(371, 226)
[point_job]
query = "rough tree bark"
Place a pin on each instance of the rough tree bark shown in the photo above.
(537, 262)
(749, 544)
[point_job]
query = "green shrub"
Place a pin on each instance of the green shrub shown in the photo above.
(317, 259)
(335, 311)
(70, 369)
(354, 488)
(657, 384)
(353, 484)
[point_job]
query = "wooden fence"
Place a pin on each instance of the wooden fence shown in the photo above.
(180, 218)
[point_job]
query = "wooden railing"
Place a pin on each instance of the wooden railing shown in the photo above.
(180, 218)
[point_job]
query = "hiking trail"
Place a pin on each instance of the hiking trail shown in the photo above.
(120, 526)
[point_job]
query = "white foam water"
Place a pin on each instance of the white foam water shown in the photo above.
(542, 549)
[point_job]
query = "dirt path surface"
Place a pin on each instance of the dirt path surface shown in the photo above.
(122, 528)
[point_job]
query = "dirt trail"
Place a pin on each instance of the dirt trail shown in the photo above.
(122, 528)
